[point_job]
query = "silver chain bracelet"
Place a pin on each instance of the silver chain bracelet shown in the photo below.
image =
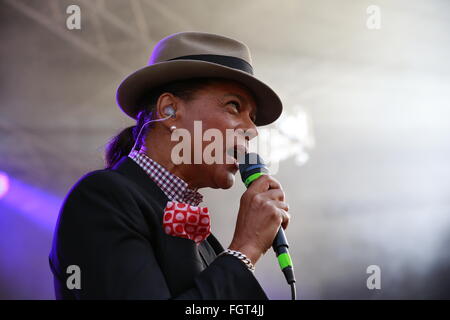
(241, 257)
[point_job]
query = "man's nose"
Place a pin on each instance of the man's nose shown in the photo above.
(250, 129)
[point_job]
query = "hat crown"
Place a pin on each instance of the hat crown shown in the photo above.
(198, 43)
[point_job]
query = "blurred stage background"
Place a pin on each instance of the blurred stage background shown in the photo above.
(364, 144)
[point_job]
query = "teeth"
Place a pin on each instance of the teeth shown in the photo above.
(241, 157)
(231, 152)
(237, 152)
(240, 153)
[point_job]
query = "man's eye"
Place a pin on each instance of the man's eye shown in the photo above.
(236, 105)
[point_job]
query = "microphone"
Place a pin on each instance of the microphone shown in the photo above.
(251, 169)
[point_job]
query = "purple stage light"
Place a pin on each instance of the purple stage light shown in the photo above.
(34, 203)
(4, 184)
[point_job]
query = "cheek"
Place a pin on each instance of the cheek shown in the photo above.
(220, 121)
(213, 115)
(198, 121)
(204, 119)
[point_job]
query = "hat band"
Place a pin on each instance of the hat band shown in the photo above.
(227, 61)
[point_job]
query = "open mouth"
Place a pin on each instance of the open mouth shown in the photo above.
(237, 152)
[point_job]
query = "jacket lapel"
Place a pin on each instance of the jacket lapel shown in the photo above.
(180, 259)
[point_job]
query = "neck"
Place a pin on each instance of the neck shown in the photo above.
(162, 155)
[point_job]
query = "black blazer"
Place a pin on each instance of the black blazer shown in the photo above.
(110, 225)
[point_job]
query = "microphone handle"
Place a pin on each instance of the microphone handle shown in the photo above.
(250, 171)
(280, 244)
(281, 247)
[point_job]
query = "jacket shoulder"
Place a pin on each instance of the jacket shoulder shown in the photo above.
(103, 197)
(104, 179)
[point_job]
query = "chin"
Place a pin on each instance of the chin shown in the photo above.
(225, 178)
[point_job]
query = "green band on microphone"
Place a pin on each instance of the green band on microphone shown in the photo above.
(252, 178)
(284, 260)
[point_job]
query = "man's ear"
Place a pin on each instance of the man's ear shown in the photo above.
(166, 105)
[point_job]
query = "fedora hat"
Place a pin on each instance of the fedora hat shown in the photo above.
(187, 55)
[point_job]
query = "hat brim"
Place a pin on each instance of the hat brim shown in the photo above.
(133, 87)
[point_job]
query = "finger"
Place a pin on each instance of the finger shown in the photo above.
(280, 204)
(286, 218)
(264, 183)
(275, 194)
(282, 209)
(274, 184)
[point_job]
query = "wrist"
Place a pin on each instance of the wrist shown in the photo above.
(242, 257)
(251, 253)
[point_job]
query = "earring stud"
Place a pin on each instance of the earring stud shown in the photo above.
(173, 128)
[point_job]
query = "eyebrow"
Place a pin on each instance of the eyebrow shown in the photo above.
(244, 100)
(237, 96)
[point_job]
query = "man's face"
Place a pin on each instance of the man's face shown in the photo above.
(222, 105)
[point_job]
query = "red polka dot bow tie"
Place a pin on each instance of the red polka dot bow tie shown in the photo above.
(186, 221)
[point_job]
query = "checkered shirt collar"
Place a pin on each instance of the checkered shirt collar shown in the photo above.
(174, 187)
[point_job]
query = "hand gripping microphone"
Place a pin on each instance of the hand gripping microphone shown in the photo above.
(251, 169)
